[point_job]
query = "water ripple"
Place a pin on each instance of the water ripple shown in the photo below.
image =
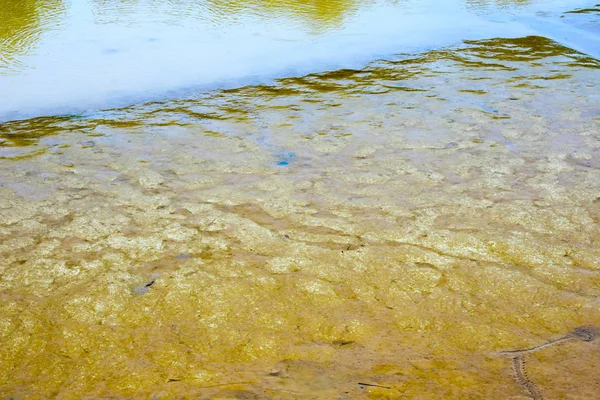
(24, 23)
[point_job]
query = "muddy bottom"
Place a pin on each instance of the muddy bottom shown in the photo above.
(381, 233)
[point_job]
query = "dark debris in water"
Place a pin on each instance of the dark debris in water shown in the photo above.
(587, 333)
(143, 289)
(362, 385)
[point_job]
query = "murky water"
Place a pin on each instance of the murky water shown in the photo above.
(412, 217)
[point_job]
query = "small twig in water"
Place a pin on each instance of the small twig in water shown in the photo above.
(144, 288)
(374, 385)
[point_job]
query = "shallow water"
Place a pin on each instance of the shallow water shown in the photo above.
(380, 231)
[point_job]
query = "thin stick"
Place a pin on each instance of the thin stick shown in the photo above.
(374, 385)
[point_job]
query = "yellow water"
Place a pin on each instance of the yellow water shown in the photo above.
(377, 233)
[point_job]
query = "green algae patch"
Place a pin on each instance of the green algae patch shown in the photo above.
(386, 244)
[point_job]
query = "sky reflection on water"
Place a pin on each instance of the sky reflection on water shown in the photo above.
(58, 57)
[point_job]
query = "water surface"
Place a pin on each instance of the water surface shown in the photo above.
(70, 56)
(387, 226)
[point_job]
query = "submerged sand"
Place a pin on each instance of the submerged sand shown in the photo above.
(381, 233)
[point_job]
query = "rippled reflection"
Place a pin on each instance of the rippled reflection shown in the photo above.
(114, 53)
(587, 19)
(22, 23)
(319, 15)
(499, 3)
(425, 73)
(316, 15)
